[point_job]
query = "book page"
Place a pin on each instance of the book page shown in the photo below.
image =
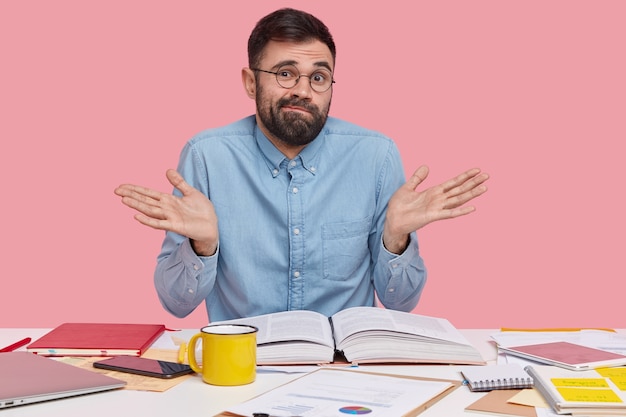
(290, 326)
(359, 319)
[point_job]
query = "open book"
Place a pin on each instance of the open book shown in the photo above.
(359, 334)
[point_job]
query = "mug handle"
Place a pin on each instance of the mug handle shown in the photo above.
(191, 353)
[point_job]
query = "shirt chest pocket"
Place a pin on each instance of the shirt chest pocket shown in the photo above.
(345, 249)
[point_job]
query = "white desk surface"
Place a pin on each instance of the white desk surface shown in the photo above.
(195, 398)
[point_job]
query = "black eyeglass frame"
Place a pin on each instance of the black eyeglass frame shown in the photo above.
(275, 73)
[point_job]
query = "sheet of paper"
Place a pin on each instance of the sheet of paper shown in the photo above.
(335, 393)
(547, 412)
(286, 369)
(530, 397)
(133, 382)
(496, 402)
(165, 341)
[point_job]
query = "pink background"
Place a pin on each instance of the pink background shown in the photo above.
(94, 94)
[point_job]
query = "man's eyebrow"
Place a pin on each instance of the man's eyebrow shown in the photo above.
(323, 64)
(285, 62)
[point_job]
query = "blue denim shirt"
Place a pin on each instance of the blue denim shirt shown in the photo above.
(300, 234)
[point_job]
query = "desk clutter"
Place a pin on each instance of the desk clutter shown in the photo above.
(510, 385)
(574, 371)
(60, 363)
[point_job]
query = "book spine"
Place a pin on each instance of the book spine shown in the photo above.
(149, 342)
(540, 384)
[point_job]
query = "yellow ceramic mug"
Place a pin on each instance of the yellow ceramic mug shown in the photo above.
(228, 354)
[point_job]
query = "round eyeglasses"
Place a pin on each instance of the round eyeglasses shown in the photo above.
(288, 76)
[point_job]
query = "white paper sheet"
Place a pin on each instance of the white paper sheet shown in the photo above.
(337, 393)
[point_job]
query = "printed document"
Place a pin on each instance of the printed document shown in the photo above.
(335, 393)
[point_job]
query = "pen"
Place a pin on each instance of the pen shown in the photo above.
(182, 351)
(16, 345)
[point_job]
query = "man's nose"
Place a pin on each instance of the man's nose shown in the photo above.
(302, 88)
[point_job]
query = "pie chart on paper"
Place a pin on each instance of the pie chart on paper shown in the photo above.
(355, 410)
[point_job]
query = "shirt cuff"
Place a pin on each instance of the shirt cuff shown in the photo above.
(194, 262)
(405, 258)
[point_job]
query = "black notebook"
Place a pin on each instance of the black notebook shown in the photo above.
(490, 377)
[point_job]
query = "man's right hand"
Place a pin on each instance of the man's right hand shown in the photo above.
(191, 215)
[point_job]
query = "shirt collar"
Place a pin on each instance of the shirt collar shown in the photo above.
(273, 157)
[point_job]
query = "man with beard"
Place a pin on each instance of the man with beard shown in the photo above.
(314, 212)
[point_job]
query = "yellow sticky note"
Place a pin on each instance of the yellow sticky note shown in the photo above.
(612, 372)
(589, 395)
(580, 382)
(616, 375)
(619, 381)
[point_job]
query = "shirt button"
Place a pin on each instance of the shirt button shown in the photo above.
(190, 291)
(295, 190)
(296, 231)
(296, 274)
(275, 172)
(392, 289)
(313, 169)
(195, 267)
(292, 163)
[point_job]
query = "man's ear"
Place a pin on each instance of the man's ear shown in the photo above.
(249, 82)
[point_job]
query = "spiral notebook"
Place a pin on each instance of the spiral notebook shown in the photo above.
(490, 377)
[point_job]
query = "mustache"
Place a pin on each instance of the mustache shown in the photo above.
(296, 102)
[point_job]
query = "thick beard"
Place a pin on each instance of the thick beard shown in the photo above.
(291, 128)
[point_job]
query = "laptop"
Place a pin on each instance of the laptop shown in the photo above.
(28, 378)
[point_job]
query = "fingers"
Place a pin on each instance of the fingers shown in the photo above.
(418, 177)
(462, 179)
(458, 200)
(138, 192)
(179, 182)
(149, 203)
(459, 211)
(471, 186)
(159, 224)
(148, 207)
(141, 193)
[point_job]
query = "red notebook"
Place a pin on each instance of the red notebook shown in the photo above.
(97, 339)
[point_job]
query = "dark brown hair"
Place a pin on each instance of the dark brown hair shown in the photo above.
(287, 25)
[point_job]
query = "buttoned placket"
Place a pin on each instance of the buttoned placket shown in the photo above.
(296, 233)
